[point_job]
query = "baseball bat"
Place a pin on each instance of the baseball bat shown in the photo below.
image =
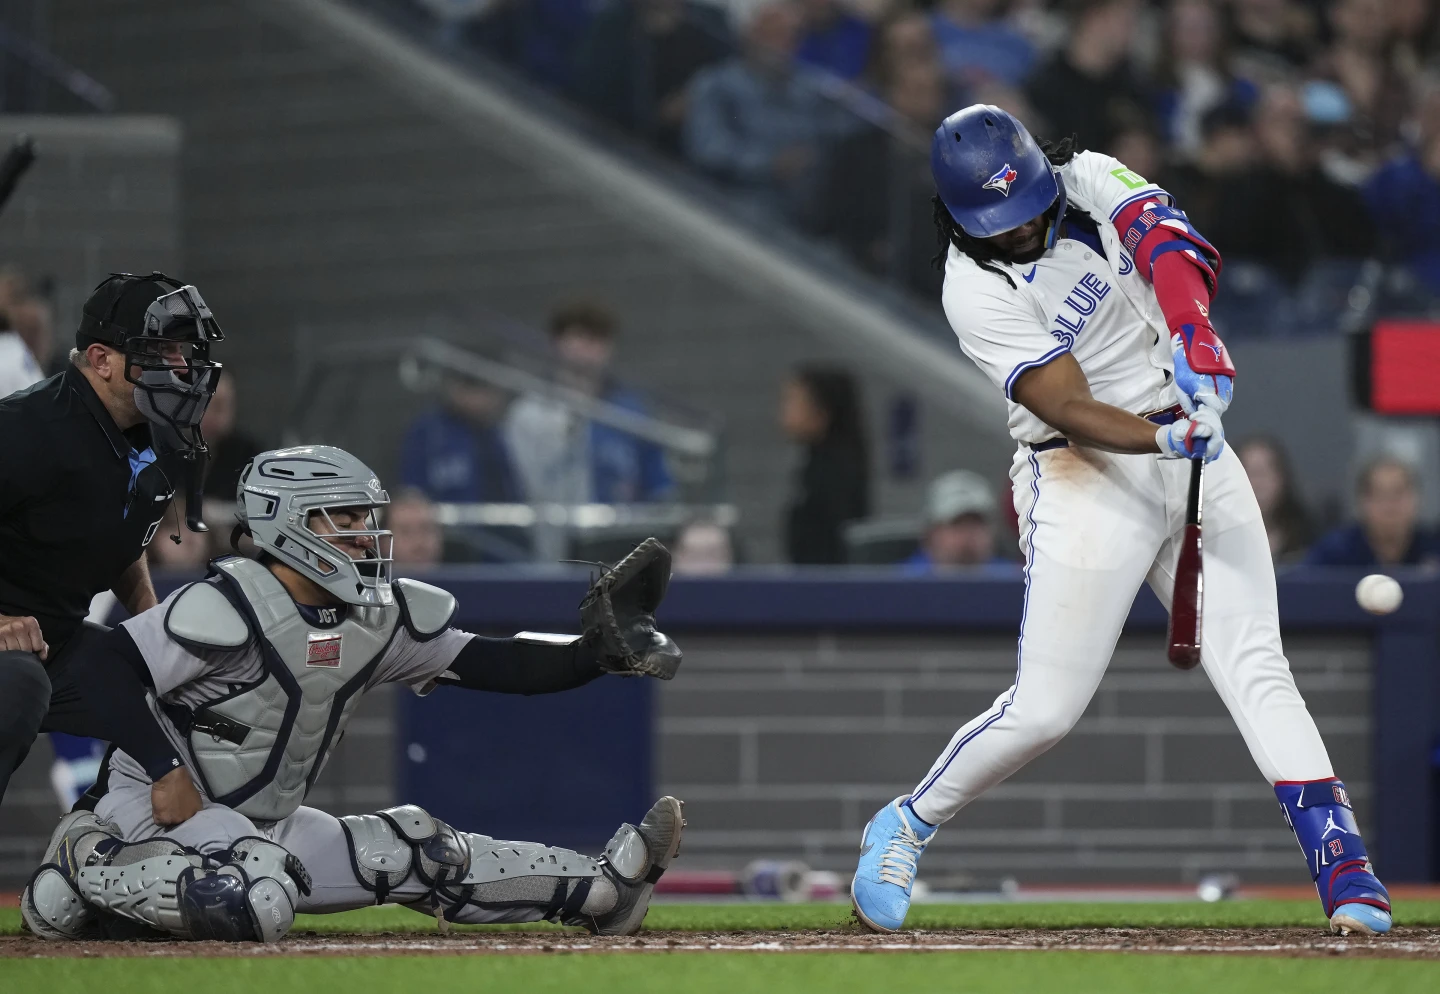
(17, 161)
(1187, 605)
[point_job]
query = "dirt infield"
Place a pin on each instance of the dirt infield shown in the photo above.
(1402, 943)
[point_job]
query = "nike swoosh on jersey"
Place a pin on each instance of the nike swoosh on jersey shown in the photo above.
(1030, 276)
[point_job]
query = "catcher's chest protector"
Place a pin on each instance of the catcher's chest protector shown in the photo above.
(259, 749)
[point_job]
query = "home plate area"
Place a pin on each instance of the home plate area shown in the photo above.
(1403, 942)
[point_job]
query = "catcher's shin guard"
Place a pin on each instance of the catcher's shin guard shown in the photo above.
(1320, 815)
(405, 855)
(633, 860)
(246, 893)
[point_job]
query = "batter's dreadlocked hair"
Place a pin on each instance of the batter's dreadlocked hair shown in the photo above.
(948, 233)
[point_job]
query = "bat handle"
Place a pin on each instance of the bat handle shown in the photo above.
(1195, 495)
(1186, 606)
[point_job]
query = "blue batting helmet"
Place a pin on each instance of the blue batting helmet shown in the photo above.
(990, 173)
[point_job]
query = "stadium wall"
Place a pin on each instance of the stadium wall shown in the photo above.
(807, 700)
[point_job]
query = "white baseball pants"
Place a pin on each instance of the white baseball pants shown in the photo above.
(1093, 526)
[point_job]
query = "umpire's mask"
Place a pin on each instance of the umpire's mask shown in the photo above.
(165, 330)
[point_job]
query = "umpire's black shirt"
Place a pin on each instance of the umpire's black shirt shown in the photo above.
(79, 501)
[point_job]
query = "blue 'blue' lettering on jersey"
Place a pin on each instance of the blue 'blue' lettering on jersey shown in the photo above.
(1083, 299)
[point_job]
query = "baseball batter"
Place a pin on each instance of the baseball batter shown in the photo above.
(254, 673)
(1083, 293)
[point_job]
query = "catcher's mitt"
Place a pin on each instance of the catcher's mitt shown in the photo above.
(618, 615)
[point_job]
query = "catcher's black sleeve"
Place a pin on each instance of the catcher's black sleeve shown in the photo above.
(508, 666)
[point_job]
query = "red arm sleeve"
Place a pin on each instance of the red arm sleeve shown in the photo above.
(1183, 268)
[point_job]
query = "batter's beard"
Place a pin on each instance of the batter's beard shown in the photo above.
(1025, 258)
(1037, 248)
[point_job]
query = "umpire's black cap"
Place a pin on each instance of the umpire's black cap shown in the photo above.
(116, 309)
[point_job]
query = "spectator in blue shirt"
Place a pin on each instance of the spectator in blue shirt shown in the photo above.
(1388, 532)
(959, 525)
(455, 452)
(833, 39)
(757, 121)
(976, 46)
(566, 459)
(1404, 199)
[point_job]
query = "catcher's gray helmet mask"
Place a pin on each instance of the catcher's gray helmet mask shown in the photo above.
(282, 490)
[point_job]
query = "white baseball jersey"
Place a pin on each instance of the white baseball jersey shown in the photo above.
(1074, 299)
(1095, 525)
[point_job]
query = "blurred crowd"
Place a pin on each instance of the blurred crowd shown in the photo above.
(1294, 132)
(1290, 130)
(479, 443)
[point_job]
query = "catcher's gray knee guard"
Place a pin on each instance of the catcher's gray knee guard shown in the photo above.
(247, 893)
(467, 875)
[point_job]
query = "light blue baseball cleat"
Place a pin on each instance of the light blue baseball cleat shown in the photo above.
(1364, 919)
(890, 848)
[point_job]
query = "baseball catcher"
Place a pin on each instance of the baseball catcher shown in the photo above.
(254, 672)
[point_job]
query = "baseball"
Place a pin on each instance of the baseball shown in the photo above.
(1379, 594)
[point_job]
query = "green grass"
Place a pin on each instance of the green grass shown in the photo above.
(727, 917)
(728, 973)
(1020, 972)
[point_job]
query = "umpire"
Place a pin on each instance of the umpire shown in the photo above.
(87, 474)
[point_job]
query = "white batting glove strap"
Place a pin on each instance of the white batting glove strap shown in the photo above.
(1198, 436)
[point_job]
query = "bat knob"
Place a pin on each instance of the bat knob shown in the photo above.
(1184, 657)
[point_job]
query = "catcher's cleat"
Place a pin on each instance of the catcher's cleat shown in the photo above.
(618, 614)
(633, 860)
(890, 849)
